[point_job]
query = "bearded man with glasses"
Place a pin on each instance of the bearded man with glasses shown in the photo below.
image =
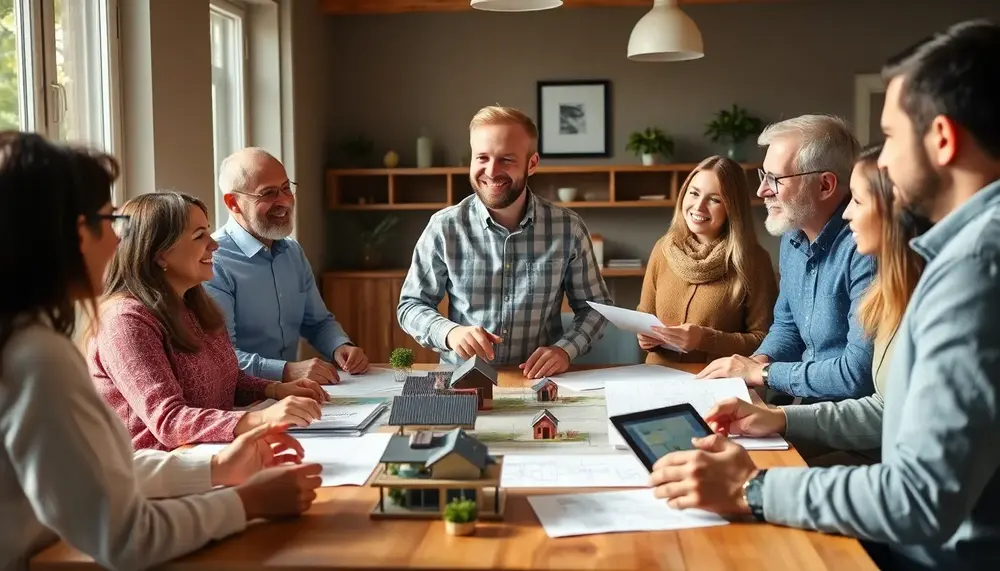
(816, 348)
(264, 283)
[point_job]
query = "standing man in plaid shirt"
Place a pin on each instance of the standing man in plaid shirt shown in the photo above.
(505, 257)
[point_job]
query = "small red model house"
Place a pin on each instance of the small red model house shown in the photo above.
(544, 425)
(546, 390)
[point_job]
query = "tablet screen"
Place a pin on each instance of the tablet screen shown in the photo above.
(653, 434)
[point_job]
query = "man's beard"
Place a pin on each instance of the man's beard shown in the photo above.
(919, 195)
(268, 229)
(793, 213)
(508, 197)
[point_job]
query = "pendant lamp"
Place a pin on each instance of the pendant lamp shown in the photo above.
(515, 5)
(665, 33)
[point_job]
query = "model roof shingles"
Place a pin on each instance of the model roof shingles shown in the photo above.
(477, 364)
(538, 386)
(418, 386)
(545, 412)
(431, 410)
(456, 440)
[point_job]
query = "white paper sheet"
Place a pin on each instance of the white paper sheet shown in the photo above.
(376, 380)
(595, 379)
(621, 470)
(628, 397)
(611, 512)
(346, 461)
(633, 321)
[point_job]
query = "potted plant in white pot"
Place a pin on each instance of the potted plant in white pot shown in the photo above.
(733, 126)
(460, 517)
(401, 361)
(650, 144)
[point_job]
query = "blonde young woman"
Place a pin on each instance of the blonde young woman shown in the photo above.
(708, 279)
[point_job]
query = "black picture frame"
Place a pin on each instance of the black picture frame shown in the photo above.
(567, 106)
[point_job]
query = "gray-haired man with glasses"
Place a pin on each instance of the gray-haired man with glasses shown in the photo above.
(815, 348)
(263, 282)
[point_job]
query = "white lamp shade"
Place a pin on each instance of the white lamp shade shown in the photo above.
(515, 5)
(665, 33)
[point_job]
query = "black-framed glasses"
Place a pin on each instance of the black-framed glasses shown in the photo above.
(120, 223)
(772, 181)
(270, 194)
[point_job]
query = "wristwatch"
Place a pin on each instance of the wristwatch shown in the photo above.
(764, 372)
(753, 495)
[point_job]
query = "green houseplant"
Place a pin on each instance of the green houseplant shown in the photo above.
(733, 126)
(649, 144)
(372, 239)
(460, 517)
(401, 361)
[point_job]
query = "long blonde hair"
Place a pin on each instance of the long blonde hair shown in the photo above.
(741, 241)
(899, 267)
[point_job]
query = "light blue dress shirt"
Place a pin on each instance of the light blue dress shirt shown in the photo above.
(935, 497)
(816, 344)
(269, 299)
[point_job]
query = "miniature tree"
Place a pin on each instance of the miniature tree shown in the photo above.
(401, 361)
(460, 517)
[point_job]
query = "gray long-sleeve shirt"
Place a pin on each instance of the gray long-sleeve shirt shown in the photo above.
(935, 498)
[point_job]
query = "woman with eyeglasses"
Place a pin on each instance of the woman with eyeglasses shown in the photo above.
(163, 358)
(708, 279)
(67, 469)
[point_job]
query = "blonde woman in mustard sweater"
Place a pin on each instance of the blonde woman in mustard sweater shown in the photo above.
(708, 279)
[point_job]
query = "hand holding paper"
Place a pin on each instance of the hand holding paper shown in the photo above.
(634, 321)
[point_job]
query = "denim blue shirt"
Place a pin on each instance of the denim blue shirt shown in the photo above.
(935, 497)
(269, 299)
(816, 344)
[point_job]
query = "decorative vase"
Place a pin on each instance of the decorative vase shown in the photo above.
(391, 160)
(401, 373)
(425, 149)
(648, 159)
(733, 152)
(466, 528)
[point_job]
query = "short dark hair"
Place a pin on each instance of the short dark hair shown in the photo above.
(45, 188)
(954, 73)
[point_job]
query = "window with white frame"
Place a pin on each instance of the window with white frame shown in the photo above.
(228, 87)
(58, 71)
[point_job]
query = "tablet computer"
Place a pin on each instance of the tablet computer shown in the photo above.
(651, 434)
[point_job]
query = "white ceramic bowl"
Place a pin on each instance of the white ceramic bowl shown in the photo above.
(566, 194)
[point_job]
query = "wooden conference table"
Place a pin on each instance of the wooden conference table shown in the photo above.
(337, 533)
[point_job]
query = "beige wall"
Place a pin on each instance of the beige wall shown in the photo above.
(395, 75)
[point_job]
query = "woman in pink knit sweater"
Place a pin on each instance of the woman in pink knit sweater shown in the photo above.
(162, 358)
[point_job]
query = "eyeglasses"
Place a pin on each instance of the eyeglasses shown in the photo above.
(120, 223)
(270, 194)
(773, 181)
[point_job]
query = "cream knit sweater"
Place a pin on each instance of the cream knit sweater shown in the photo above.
(67, 470)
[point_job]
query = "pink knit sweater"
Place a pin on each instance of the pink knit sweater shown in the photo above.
(165, 397)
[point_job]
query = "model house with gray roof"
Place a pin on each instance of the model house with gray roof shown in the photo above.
(477, 374)
(423, 471)
(433, 411)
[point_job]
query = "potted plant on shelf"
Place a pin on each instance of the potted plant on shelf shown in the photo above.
(733, 126)
(372, 238)
(401, 361)
(460, 517)
(649, 144)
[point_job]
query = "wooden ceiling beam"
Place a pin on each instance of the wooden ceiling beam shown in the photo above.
(343, 7)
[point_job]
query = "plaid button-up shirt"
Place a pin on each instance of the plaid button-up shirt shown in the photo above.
(511, 283)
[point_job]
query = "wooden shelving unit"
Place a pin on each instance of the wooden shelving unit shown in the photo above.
(607, 186)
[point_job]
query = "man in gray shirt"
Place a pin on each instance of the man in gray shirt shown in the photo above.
(934, 500)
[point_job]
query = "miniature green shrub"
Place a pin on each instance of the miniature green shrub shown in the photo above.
(460, 511)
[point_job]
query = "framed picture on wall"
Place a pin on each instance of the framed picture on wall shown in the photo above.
(574, 119)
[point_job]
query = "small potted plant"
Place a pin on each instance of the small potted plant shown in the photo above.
(401, 361)
(649, 144)
(460, 517)
(733, 126)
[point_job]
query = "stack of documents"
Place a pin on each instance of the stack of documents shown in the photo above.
(345, 416)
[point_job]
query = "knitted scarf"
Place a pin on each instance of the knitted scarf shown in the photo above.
(695, 262)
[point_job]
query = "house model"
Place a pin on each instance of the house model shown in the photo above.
(477, 374)
(544, 425)
(432, 411)
(546, 390)
(421, 472)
